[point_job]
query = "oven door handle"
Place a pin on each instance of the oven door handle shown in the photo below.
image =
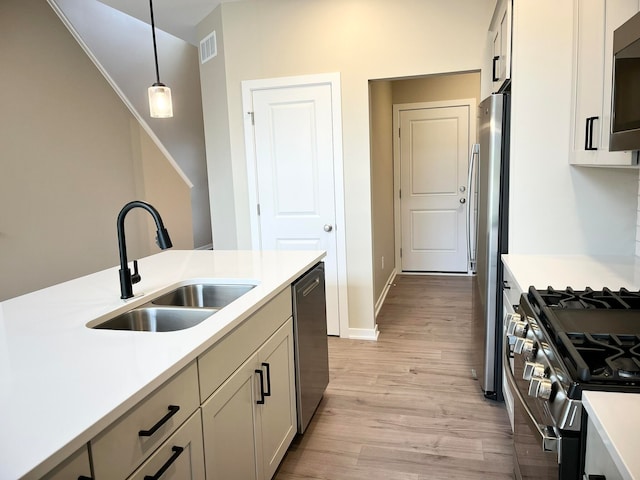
(548, 436)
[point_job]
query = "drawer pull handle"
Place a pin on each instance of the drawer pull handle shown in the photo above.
(268, 392)
(83, 477)
(176, 453)
(173, 409)
(261, 375)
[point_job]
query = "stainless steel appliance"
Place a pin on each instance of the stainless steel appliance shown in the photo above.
(564, 342)
(625, 101)
(311, 350)
(488, 184)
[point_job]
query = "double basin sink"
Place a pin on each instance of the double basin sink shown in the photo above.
(181, 308)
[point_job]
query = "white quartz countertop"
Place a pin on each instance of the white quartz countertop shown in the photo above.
(61, 383)
(616, 417)
(576, 271)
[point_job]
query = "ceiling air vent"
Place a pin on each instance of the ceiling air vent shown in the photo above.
(208, 47)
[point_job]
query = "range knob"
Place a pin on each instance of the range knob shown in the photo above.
(540, 388)
(532, 370)
(524, 346)
(516, 327)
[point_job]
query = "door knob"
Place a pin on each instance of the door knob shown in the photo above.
(328, 228)
(463, 200)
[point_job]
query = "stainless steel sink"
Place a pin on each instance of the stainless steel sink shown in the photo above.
(157, 319)
(203, 295)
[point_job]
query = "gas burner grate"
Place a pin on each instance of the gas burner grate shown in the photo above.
(603, 358)
(589, 298)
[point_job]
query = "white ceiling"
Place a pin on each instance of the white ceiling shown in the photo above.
(178, 17)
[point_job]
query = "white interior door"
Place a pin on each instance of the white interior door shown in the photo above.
(294, 154)
(433, 146)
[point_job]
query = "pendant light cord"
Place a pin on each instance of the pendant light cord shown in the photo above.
(155, 49)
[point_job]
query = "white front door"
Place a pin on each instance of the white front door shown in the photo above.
(294, 164)
(433, 148)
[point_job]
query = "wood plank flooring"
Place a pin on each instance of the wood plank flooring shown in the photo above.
(406, 407)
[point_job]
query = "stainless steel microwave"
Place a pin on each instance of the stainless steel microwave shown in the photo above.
(625, 100)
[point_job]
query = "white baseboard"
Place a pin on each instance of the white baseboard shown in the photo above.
(383, 296)
(364, 333)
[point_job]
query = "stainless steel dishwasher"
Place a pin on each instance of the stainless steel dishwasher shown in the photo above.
(311, 351)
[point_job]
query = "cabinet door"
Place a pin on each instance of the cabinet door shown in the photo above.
(228, 420)
(598, 460)
(501, 31)
(505, 41)
(594, 23)
(180, 457)
(277, 415)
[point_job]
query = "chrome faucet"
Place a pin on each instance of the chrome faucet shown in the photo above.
(127, 279)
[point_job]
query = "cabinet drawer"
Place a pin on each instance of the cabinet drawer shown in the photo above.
(511, 289)
(122, 447)
(221, 360)
(181, 457)
(76, 466)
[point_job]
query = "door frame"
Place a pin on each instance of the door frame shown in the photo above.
(398, 108)
(333, 80)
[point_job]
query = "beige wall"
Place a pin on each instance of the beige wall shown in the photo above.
(361, 39)
(121, 47)
(382, 198)
(71, 155)
(437, 87)
(218, 146)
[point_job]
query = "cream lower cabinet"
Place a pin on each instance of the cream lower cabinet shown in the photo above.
(77, 466)
(250, 420)
(179, 458)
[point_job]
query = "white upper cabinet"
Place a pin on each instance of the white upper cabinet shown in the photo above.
(594, 23)
(500, 31)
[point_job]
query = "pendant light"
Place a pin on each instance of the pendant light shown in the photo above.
(160, 105)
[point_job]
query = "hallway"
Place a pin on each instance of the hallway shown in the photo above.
(406, 407)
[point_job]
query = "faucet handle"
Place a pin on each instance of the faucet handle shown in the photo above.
(135, 276)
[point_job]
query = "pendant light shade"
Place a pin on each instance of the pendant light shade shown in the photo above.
(160, 105)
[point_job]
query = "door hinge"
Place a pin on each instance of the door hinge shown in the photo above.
(258, 209)
(253, 120)
(401, 253)
(400, 193)
(399, 130)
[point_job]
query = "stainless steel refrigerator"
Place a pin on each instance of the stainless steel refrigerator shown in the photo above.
(489, 187)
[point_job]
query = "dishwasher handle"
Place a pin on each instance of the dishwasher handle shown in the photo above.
(307, 289)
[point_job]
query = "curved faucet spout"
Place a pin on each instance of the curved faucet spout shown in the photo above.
(127, 279)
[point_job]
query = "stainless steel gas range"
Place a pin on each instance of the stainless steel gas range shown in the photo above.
(563, 342)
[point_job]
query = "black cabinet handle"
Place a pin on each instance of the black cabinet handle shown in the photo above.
(495, 70)
(176, 453)
(268, 392)
(261, 375)
(82, 477)
(173, 409)
(506, 285)
(588, 136)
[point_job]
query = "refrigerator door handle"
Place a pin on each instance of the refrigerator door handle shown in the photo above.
(475, 151)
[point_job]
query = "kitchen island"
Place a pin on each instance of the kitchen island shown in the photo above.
(614, 419)
(62, 383)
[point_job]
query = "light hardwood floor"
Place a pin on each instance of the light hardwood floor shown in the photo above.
(406, 407)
